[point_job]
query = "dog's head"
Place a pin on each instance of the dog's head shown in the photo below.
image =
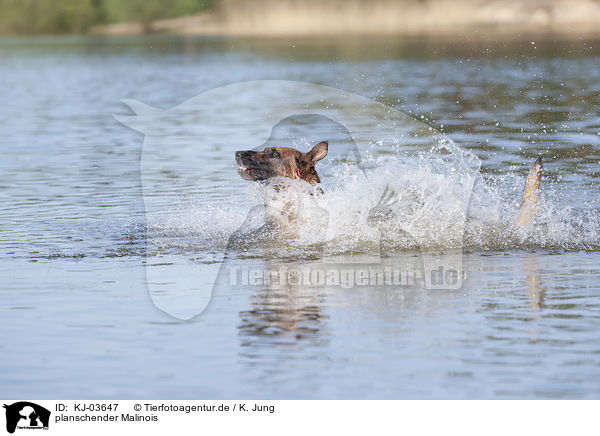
(280, 162)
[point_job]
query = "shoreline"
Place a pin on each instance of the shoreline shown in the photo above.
(285, 18)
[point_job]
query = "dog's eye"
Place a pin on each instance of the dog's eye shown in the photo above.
(271, 152)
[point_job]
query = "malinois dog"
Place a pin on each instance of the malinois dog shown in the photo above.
(281, 162)
(290, 163)
(284, 206)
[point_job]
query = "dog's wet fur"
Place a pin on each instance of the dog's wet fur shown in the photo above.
(281, 162)
(531, 195)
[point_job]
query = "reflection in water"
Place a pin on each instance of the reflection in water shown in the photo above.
(282, 313)
(292, 301)
(536, 293)
(533, 281)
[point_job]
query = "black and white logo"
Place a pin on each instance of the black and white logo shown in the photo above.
(26, 415)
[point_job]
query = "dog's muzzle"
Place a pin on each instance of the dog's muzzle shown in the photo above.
(249, 168)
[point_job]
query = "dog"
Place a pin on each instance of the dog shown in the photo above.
(285, 162)
(281, 162)
(287, 204)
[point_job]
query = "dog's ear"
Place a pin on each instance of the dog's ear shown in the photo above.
(317, 153)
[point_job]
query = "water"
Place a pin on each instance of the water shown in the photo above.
(80, 243)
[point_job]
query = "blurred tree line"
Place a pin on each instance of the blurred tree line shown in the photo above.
(77, 16)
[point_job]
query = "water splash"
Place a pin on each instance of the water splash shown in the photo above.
(436, 209)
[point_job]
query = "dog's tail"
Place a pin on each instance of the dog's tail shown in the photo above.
(531, 195)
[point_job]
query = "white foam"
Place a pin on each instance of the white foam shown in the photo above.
(443, 203)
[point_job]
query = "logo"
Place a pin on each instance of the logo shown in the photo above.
(26, 415)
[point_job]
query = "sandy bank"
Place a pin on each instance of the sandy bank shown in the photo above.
(377, 17)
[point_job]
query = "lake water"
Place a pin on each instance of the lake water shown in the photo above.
(105, 230)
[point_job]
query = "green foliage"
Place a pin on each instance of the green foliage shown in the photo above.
(147, 11)
(77, 16)
(23, 16)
